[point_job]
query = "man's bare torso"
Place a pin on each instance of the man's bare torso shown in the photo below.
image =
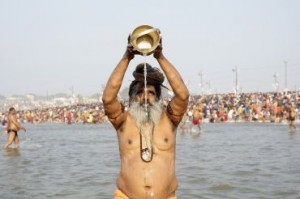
(155, 179)
(12, 123)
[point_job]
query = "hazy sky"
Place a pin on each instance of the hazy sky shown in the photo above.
(51, 46)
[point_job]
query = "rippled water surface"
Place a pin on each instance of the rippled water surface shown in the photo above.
(236, 160)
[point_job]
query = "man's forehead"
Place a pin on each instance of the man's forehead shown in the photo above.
(148, 87)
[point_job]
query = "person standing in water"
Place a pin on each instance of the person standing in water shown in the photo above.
(13, 126)
(197, 116)
(146, 131)
(291, 117)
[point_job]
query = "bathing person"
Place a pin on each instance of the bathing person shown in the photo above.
(291, 116)
(197, 116)
(146, 131)
(13, 126)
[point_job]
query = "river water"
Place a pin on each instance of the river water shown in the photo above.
(226, 160)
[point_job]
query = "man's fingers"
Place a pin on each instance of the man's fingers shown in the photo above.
(129, 38)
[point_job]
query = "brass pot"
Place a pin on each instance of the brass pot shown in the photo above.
(145, 39)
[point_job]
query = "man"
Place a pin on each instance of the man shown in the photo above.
(197, 116)
(146, 132)
(13, 126)
(291, 116)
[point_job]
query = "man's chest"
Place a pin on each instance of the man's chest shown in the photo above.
(160, 137)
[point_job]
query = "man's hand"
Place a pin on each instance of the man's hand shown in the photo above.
(157, 53)
(130, 52)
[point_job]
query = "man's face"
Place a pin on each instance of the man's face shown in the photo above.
(145, 106)
(146, 96)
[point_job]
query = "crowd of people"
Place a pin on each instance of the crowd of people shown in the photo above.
(80, 113)
(252, 107)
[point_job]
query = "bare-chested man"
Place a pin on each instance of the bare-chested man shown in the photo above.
(197, 116)
(13, 126)
(146, 132)
(291, 117)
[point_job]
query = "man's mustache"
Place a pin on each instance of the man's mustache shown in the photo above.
(145, 102)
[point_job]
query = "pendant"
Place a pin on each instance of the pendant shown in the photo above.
(146, 156)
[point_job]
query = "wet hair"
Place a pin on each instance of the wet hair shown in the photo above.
(154, 78)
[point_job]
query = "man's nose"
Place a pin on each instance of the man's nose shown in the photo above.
(144, 96)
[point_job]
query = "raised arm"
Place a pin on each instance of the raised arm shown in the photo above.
(113, 108)
(178, 105)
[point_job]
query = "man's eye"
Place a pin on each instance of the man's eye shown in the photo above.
(152, 92)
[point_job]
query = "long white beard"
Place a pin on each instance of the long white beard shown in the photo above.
(147, 120)
(142, 116)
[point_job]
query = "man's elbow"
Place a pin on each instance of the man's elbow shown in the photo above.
(184, 95)
(106, 100)
(106, 97)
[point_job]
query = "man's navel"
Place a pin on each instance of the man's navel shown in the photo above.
(129, 141)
